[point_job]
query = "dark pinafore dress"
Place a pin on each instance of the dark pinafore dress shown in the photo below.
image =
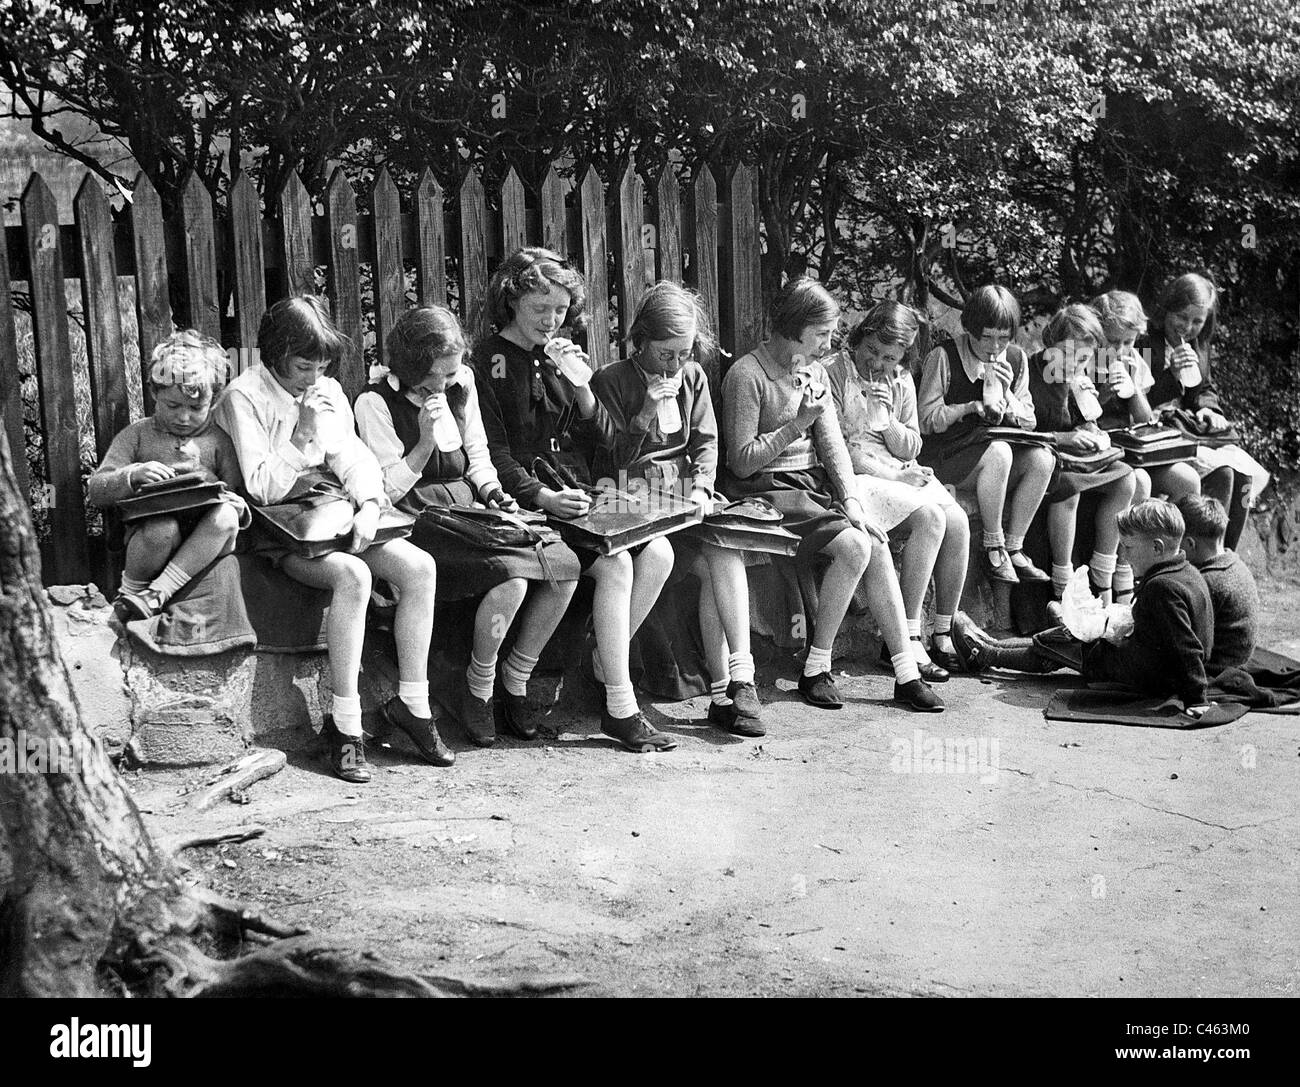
(464, 570)
(1056, 411)
(954, 454)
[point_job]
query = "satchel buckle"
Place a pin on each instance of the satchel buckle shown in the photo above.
(555, 444)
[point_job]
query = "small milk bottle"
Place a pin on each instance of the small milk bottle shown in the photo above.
(446, 434)
(670, 415)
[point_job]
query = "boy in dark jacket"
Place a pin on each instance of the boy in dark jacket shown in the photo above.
(1233, 594)
(1173, 622)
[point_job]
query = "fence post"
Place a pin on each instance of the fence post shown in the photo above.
(249, 267)
(107, 363)
(473, 247)
(431, 232)
(702, 248)
(11, 380)
(199, 246)
(345, 277)
(153, 307)
(668, 225)
(388, 276)
(742, 302)
(595, 256)
(633, 279)
(514, 214)
(65, 555)
(295, 237)
(555, 229)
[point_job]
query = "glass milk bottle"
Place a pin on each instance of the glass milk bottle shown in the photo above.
(670, 414)
(1186, 366)
(446, 434)
(878, 416)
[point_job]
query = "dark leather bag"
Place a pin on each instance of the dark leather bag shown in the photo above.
(318, 519)
(1088, 462)
(1187, 422)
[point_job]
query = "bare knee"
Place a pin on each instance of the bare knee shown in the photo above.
(851, 549)
(928, 522)
(997, 459)
(1141, 485)
(657, 558)
(161, 534)
(613, 570)
(223, 520)
(1039, 460)
(956, 524)
(351, 578)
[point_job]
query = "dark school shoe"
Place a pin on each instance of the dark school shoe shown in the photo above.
(820, 691)
(477, 718)
(1025, 568)
(129, 606)
(744, 696)
(423, 732)
(932, 671)
(727, 717)
(514, 714)
(635, 733)
(998, 565)
(916, 695)
(347, 754)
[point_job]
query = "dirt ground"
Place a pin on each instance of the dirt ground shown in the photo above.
(1046, 859)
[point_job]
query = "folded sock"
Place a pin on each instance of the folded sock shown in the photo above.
(620, 700)
(415, 696)
(517, 671)
(347, 714)
(994, 538)
(942, 623)
(169, 582)
(740, 666)
(918, 650)
(718, 692)
(819, 661)
(914, 628)
(1101, 569)
(135, 585)
(905, 669)
(1061, 574)
(1122, 583)
(1015, 543)
(480, 675)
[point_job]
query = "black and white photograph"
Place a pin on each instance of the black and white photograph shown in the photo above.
(627, 499)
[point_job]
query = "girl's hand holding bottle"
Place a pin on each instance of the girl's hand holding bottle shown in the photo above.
(1185, 364)
(661, 403)
(812, 404)
(570, 360)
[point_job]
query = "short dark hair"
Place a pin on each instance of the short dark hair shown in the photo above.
(300, 326)
(1203, 517)
(418, 337)
(1154, 517)
(524, 271)
(990, 306)
(800, 303)
(1074, 322)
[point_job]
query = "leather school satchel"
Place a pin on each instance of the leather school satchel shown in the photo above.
(318, 518)
(1186, 421)
(1152, 445)
(181, 493)
(1089, 462)
(490, 528)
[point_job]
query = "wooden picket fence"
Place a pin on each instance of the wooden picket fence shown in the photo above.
(254, 255)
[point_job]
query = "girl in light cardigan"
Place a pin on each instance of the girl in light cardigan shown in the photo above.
(784, 444)
(288, 418)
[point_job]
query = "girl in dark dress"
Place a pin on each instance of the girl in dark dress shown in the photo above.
(958, 401)
(539, 419)
(427, 389)
(1066, 405)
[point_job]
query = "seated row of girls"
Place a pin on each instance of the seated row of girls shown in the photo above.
(785, 444)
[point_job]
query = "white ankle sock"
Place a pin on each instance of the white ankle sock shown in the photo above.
(517, 671)
(941, 639)
(1101, 569)
(918, 650)
(135, 585)
(620, 700)
(480, 676)
(1015, 543)
(415, 696)
(718, 693)
(169, 582)
(1122, 583)
(1061, 574)
(994, 539)
(347, 714)
(905, 669)
(819, 661)
(740, 666)
(914, 628)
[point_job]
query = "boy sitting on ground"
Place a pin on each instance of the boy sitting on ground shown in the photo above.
(1173, 622)
(1233, 593)
(164, 553)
